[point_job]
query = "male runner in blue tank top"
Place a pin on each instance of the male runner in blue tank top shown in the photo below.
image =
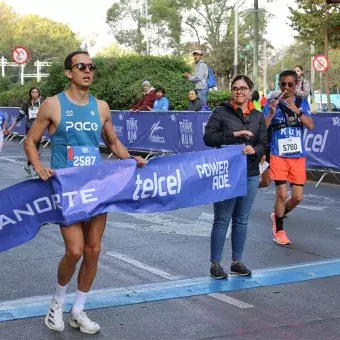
(75, 121)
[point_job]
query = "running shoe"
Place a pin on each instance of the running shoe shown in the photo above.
(240, 269)
(272, 217)
(217, 272)
(27, 169)
(82, 321)
(54, 318)
(281, 238)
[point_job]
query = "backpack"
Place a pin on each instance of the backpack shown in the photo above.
(211, 80)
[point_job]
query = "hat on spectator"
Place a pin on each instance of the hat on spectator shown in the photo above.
(146, 82)
(197, 52)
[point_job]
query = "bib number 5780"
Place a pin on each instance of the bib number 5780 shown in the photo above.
(84, 160)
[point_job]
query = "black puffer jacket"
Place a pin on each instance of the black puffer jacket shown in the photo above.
(224, 120)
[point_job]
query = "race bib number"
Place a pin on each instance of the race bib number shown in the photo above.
(32, 113)
(289, 146)
(82, 156)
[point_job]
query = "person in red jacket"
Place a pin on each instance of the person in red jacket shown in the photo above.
(147, 100)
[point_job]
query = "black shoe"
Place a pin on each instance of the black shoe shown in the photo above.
(217, 272)
(240, 269)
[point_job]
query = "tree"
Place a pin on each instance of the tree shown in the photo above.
(126, 22)
(114, 51)
(45, 38)
(317, 23)
(8, 19)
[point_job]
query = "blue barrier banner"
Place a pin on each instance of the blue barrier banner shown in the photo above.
(11, 114)
(322, 143)
(152, 131)
(189, 132)
(181, 132)
(79, 193)
(119, 123)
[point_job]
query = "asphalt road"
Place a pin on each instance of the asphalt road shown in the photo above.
(149, 261)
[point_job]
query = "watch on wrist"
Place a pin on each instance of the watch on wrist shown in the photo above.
(299, 114)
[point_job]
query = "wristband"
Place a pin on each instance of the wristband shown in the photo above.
(299, 114)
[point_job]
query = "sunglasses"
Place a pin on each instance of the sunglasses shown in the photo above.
(83, 66)
(283, 84)
(241, 89)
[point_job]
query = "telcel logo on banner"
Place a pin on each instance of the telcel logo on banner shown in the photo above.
(155, 138)
(157, 186)
(315, 142)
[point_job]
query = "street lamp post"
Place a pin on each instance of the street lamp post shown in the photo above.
(236, 39)
(256, 44)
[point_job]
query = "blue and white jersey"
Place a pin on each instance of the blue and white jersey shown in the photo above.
(76, 140)
(288, 141)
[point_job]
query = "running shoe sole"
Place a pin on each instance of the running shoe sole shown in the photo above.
(281, 244)
(239, 274)
(219, 277)
(77, 326)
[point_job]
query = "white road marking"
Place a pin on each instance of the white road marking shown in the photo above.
(11, 160)
(165, 275)
(143, 266)
(230, 300)
(312, 207)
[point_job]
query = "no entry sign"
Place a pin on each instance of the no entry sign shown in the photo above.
(20, 55)
(320, 63)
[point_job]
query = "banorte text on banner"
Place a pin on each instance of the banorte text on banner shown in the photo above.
(164, 184)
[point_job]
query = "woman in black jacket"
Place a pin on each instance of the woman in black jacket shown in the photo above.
(236, 122)
(29, 109)
(195, 103)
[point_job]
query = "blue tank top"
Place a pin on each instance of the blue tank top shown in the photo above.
(76, 140)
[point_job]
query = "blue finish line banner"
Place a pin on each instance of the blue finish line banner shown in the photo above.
(77, 194)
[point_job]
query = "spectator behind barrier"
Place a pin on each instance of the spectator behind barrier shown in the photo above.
(255, 98)
(195, 103)
(146, 102)
(162, 102)
(263, 101)
(302, 88)
(200, 77)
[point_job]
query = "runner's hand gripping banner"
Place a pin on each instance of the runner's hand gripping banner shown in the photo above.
(79, 193)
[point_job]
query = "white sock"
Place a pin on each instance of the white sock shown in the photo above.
(79, 302)
(60, 293)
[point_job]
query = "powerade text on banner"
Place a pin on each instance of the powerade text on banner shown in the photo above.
(79, 193)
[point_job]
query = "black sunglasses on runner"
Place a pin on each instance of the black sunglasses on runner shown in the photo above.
(83, 66)
(290, 84)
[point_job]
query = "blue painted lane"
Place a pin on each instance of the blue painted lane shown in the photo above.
(38, 305)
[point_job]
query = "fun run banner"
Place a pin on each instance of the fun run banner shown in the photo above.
(163, 184)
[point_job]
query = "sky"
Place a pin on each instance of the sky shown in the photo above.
(85, 18)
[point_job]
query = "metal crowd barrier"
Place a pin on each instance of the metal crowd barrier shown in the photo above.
(162, 133)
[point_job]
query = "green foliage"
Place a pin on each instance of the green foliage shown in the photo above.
(43, 37)
(17, 94)
(56, 82)
(5, 84)
(119, 80)
(311, 19)
(217, 97)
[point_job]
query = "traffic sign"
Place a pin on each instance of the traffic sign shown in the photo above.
(20, 55)
(320, 63)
